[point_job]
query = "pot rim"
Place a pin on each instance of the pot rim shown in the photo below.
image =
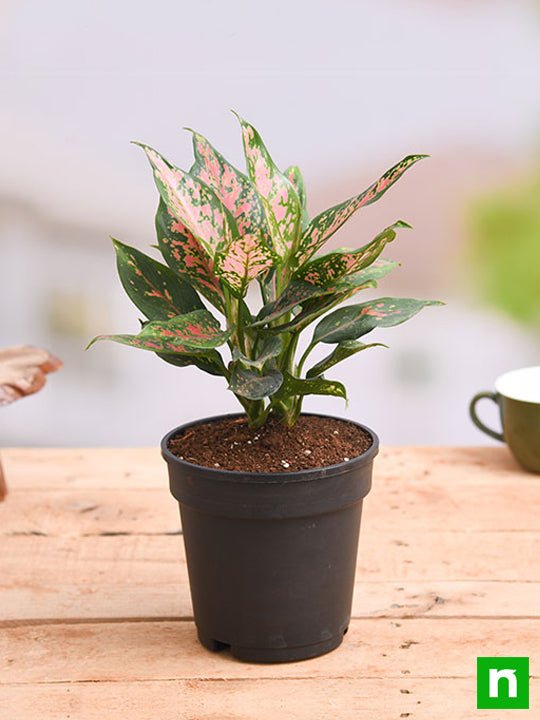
(295, 476)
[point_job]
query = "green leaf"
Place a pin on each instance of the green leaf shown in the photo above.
(328, 222)
(271, 347)
(281, 201)
(296, 293)
(371, 274)
(323, 299)
(345, 349)
(252, 385)
(242, 259)
(327, 269)
(192, 202)
(295, 176)
(353, 321)
(237, 193)
(210, 362)
(184, 254)
(190, 333)
(316, 386)
(155, 289)
(314, 299)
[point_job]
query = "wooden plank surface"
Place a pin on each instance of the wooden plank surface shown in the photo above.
(108, 577)
(265, 699)
(376, 647)
(95, 614)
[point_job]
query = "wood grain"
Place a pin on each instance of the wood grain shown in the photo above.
(139, 651)
(95, 613)
(146, 576)
(263, 699)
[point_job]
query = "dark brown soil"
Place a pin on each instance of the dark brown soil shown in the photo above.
(230, 444)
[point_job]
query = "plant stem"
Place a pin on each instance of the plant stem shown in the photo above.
(304, 357)
(288, 360)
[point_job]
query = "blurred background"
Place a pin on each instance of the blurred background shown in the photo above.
(343, 89)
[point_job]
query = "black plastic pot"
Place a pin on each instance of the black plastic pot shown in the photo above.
(271, 556)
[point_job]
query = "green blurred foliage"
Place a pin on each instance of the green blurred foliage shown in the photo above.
(505, 250)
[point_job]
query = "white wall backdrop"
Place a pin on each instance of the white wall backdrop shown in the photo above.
(344, 89)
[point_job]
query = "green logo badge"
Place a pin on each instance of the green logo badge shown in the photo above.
(502, 682)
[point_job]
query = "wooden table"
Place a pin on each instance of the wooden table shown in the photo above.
(96, 614)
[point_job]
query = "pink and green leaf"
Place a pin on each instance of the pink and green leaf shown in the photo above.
(342, 351)
(185, 255)
(348, 286)
(326, 270)
(357, 281)
(194, 332)
(237, 193)
(295, 294)
(322, 227)
(154, 288)
(312, 297)
(281, 200)
(294, 175)
(191, 202)
(243, 259)
(354, 321)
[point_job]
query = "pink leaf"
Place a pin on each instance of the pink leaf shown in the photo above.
(328, 222)
(191, 201)
(233, 188)
(193, 332)
(185, 255)
(242, 260)
(282, 204)
(326, 270)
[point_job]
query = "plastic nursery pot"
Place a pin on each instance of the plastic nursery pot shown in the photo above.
(271, 556)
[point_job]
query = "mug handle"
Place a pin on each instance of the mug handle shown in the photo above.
(476, 420)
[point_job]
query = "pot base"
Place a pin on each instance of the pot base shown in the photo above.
(273, 655)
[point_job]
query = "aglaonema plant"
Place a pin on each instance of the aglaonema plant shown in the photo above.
(219, 230)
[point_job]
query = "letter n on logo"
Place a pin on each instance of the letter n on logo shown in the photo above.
(502, 682)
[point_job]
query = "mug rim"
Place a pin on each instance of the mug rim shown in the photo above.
(503, 381)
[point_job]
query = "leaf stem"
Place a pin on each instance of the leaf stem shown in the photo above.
(305, 357)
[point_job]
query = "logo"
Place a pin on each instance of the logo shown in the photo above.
(502, 682)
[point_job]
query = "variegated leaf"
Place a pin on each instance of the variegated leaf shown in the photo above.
(328, 222)
(315, 386)
(311, 297)
(294, 174)
(270, 347)
(154, 288)
(197, 331)
(345, 349)
(326, 270)
(353, 321)
(296, 293)
(210, 362)
(367, 277)
(252, 385)
(282, 202)
(186, 256)
(267, 284)
(311, 310)
(242, 259)
(237, 193)
(191, 201)
(326, 299)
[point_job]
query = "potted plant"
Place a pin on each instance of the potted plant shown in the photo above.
(270, 499)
